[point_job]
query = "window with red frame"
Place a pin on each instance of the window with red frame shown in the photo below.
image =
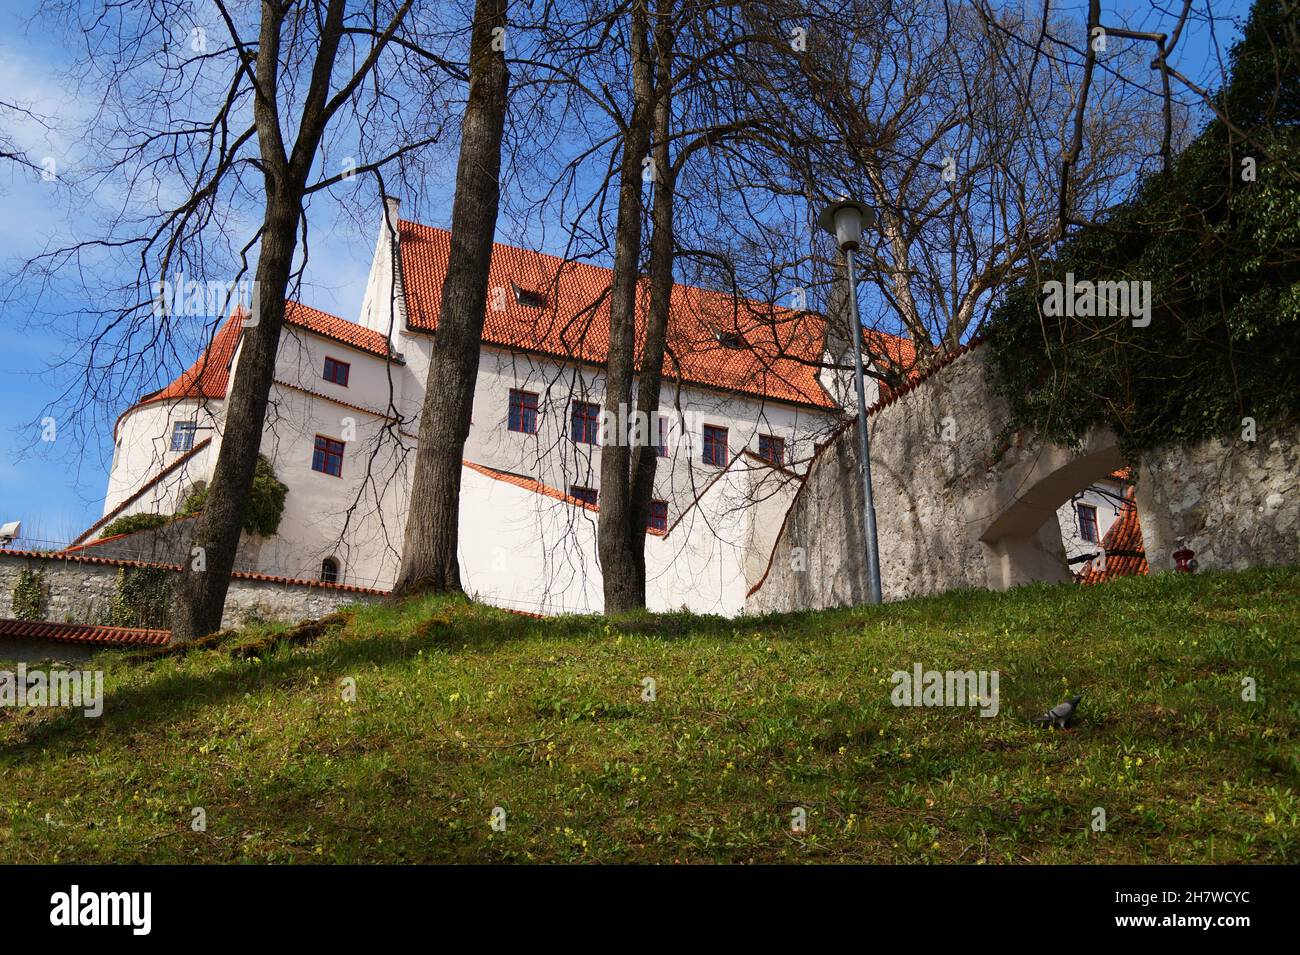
(771, 448)
(715, 445)
(523, 411)
(587, 495)
(1088, 523)
(586, 422)
(328, 458)
(657, 519)
(337, 371)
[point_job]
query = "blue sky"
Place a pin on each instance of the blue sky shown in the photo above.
(56, 488)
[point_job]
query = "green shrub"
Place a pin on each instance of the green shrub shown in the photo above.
(134, 522)
(1221, 251)
(265, 502)
(29, 595)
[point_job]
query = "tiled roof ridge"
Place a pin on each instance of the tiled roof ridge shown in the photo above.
(207, 380)
(913, 383)
(879, 405)
(382, 415)
(99, 541)
(539, 487)
(389, 352)
(560, 260)
(525, 483)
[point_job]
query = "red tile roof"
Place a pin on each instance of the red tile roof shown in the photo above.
(297, 315)
(209, 376)
(84, 633)
(887, 398)
(1125, 552)
(916, 377)
(898, 354)
(778, 360)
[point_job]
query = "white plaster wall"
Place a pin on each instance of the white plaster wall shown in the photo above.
(552, 457)
(1104, 496)
(354, 517)
(359, 518)
(300, 361)
(143, 449)
(532, 552)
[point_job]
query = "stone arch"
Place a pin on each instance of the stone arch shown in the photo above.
(962, 507)
(1015, 514)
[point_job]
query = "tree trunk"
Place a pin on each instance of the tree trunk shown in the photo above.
(205, 579)
(201, 589)
(429, 561)
(618, 563)
(645, 459)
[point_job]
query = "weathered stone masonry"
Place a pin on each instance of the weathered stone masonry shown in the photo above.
(964, 500)
(81, 590)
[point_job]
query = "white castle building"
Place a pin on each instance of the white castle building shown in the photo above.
(744, 407)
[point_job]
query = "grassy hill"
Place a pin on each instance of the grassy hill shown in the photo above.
(461, 708)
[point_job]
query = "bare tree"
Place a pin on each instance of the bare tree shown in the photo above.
(429, 559)
(278, 83)
(618, 558)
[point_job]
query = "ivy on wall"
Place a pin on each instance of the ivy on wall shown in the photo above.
(265, 501)
(29, 595)
(143, 598)
(1217, 237)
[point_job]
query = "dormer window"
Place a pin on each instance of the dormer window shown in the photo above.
(337, 371)
(528, 298)
(729, 340)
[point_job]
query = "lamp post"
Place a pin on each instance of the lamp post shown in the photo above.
(844, 220)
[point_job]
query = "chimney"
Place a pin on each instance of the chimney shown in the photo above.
(384, 306)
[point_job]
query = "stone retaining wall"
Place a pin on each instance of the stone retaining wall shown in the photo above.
(964, 500)
(82, 591)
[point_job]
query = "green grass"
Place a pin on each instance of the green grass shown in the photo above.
(461, 708)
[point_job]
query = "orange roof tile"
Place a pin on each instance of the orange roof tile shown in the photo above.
(84, 633)
(780, 347)
(1125, 552)
(359, 337)
(209, 376)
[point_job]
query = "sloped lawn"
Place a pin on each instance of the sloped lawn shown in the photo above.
(460, 709)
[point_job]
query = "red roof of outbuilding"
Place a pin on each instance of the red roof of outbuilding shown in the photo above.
(84, 633)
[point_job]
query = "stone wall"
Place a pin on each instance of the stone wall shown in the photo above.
(1236, 503)
(930, 450)
(964, 500)
(82, 591)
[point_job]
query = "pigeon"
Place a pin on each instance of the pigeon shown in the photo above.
(1060, 715)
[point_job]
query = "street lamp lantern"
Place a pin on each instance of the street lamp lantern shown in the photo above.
(844, 220)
